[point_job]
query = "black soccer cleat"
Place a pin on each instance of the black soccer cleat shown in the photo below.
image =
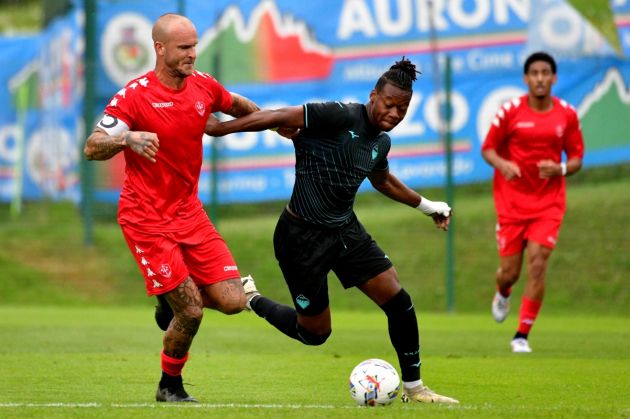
(163, 313)
(173, 395)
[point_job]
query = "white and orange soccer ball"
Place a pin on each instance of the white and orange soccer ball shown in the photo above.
(374, 382)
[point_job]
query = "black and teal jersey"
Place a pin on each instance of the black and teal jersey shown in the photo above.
(334, 153)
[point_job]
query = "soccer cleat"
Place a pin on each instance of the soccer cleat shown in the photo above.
(250, 290)
(520, 345)
(424, 394)
(178, 394)
(163, 313)
(500, 307)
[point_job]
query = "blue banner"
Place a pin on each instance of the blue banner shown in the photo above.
(285, 52)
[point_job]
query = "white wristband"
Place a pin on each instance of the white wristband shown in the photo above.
(563, 167)
(428, 207)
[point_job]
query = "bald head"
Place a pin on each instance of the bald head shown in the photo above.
(169, 23)
(175, 41)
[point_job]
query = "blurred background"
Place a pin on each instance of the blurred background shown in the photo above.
(63, 60)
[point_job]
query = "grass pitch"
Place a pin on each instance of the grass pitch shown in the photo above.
(81, 362)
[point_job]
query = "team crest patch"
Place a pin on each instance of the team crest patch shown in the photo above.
(560, 131)
(200, 107)
(165, 271)
(302, 301)
(374, 152)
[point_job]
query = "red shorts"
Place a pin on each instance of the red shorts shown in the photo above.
(512, 237)
(167, 259)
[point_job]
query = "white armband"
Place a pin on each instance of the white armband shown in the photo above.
(112, 125)
(563, 167)
(428, 207)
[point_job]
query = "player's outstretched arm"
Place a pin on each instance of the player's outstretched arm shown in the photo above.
(392, 187)
(289, 117)
(101, 146)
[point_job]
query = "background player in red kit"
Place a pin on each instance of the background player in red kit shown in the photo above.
(525, 144)
(158, 121)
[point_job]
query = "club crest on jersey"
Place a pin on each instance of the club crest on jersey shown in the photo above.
(374, 152)
(165, 270)
(559, 131)
(200, 107)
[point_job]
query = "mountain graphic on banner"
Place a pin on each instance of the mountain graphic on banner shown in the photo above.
(557, 27)
(609, 101)
(24, 88)
(270, 47)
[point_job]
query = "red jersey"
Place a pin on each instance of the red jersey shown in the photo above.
(523, 136)
(162, 196)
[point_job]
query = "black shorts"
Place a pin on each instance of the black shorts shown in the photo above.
(307, 253)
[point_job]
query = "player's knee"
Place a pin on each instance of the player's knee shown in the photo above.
(398, 305)
(312, 339)
(232, 307)
(508, 274)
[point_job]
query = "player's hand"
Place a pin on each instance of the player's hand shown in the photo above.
(509, 169)
(548, 168)
(441, 221)
(144, 143)
(439, 211)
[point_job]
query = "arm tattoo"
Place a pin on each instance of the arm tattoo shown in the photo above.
(242, 106)
(103, 146)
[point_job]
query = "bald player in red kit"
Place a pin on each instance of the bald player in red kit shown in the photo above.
(158, 120)
(525, 145)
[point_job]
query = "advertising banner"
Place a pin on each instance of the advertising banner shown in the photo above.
(283, 52)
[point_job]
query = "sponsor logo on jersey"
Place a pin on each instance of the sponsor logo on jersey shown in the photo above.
(229, 268)
(525, 124)
(162, 104)
(165, 270)
(200, 107)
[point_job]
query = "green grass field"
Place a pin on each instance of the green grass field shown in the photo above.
(43, 258)
(82, 362)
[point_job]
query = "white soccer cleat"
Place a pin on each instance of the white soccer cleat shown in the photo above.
(250, 290)
(423, 394)
(520, 345)
(500, 307)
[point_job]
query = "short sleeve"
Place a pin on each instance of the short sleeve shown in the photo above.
(573, 140)
(221, 97)
(123, 105)
(497, 132)
(325, 115)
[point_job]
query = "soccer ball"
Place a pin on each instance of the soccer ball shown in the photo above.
(374, 382)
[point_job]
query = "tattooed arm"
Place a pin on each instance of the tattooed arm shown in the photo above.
(102, 146)
(241, 106)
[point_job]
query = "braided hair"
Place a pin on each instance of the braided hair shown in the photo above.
(402, 75)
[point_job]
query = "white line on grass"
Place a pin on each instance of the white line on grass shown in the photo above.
(176, 405)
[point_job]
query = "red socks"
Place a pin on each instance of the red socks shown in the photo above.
(528, 314)
(173, 366)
